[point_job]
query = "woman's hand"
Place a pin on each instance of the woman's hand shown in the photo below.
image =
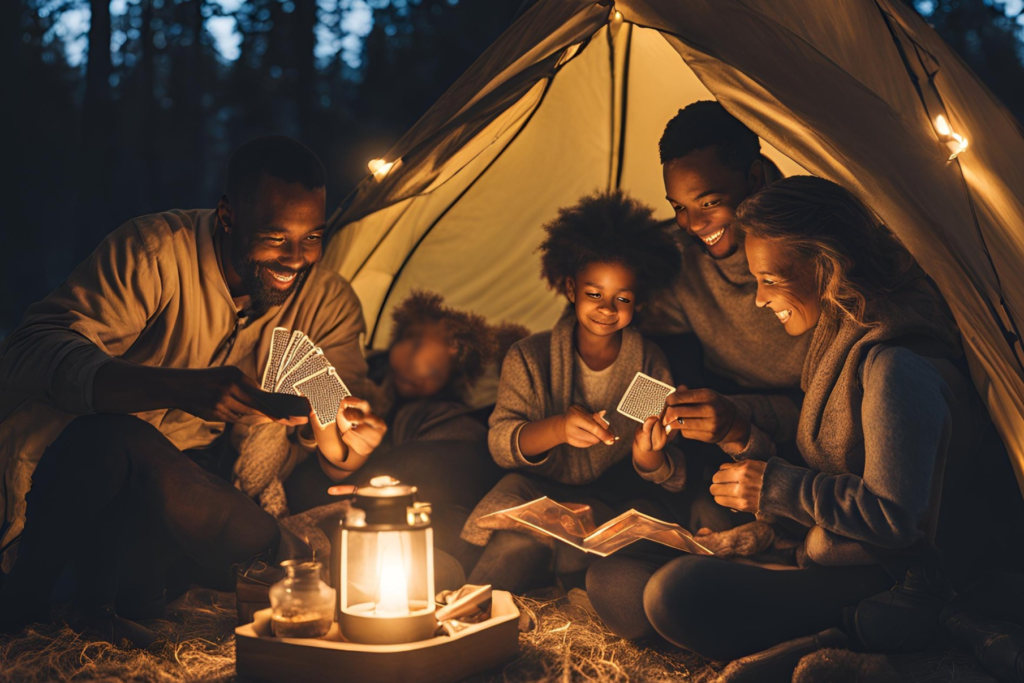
(355, 432)
(737, 485)
(583, 429)
(649, 441)
(705, 415)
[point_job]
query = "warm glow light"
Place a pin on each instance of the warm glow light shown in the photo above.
(954, 142)
(379, 168)
(393, 591)
(618, 15)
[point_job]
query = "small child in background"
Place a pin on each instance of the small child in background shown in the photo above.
(555, 420)
(434, 440)
(438, 351)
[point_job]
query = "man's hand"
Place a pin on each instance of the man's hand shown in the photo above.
(649, 441)
(583, 430)
(737, 485)
(705, 415)
(356, 432)
(223, 394)
(227, 394)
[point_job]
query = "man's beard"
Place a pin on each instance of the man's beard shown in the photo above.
(262, 297)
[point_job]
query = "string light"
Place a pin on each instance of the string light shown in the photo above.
(954, 142)
(379, 168)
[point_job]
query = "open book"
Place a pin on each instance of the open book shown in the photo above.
(576, 527)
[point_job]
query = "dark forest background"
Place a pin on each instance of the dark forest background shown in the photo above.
(145, 119)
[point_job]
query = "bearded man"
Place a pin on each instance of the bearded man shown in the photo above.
(130, 384)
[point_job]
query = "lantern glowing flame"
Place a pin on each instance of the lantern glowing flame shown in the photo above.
(954, 142)
(393, 589)
(379, 168)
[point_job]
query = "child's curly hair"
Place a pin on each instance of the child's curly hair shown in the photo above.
(475, 342)
(609, 227)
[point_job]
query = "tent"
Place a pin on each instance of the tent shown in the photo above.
(573, 98)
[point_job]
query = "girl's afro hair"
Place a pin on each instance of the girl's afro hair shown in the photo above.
(609, 227)
(476, 342)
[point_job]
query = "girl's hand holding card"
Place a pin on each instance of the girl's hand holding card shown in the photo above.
(649, 440)
(583, 429)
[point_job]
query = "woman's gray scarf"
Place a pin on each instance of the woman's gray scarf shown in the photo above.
(830, 433)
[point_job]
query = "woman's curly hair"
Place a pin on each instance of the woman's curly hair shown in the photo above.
(475, 342)
(856, 257)
(609, 227)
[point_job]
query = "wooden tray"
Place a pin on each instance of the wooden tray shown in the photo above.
(262, 657)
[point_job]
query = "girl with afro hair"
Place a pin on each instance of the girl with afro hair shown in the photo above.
(555, 421)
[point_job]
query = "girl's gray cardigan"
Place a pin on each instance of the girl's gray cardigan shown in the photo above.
(537, 382)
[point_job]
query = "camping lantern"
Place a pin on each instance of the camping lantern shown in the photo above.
(387, 566)
(954, 142)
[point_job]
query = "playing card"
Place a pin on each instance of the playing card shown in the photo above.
(278, 344)
(315, 362)
(302, 348)
(324, 391)
(644, 397)
(292, 341)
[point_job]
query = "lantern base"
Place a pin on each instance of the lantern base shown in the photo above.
(482, 646)
(360, 625)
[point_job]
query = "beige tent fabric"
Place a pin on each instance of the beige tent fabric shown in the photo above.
(573, 98)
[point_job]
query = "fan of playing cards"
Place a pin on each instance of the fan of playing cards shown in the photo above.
(297, 366)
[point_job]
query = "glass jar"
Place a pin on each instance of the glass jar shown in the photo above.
(302, 605)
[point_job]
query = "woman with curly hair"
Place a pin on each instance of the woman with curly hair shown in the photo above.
(553, 421)
(886, 399)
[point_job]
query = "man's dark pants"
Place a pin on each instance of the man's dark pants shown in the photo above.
(116, 498)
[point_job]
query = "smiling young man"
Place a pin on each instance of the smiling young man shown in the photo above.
(136, 377)
(711, 162)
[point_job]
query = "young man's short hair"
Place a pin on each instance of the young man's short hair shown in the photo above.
(277, 156)
(707, 124)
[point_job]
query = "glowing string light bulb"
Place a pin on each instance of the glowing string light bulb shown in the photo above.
(954, 142)
(379, 168)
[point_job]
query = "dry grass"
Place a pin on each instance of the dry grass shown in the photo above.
(197, 644)
(560, 642)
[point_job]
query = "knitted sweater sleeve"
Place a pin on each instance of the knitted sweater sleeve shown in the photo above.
(907, 421)
(512, 411)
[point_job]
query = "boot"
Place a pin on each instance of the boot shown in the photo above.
(776, 664)
(255, 576)
(903, 619)
(988, 621)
